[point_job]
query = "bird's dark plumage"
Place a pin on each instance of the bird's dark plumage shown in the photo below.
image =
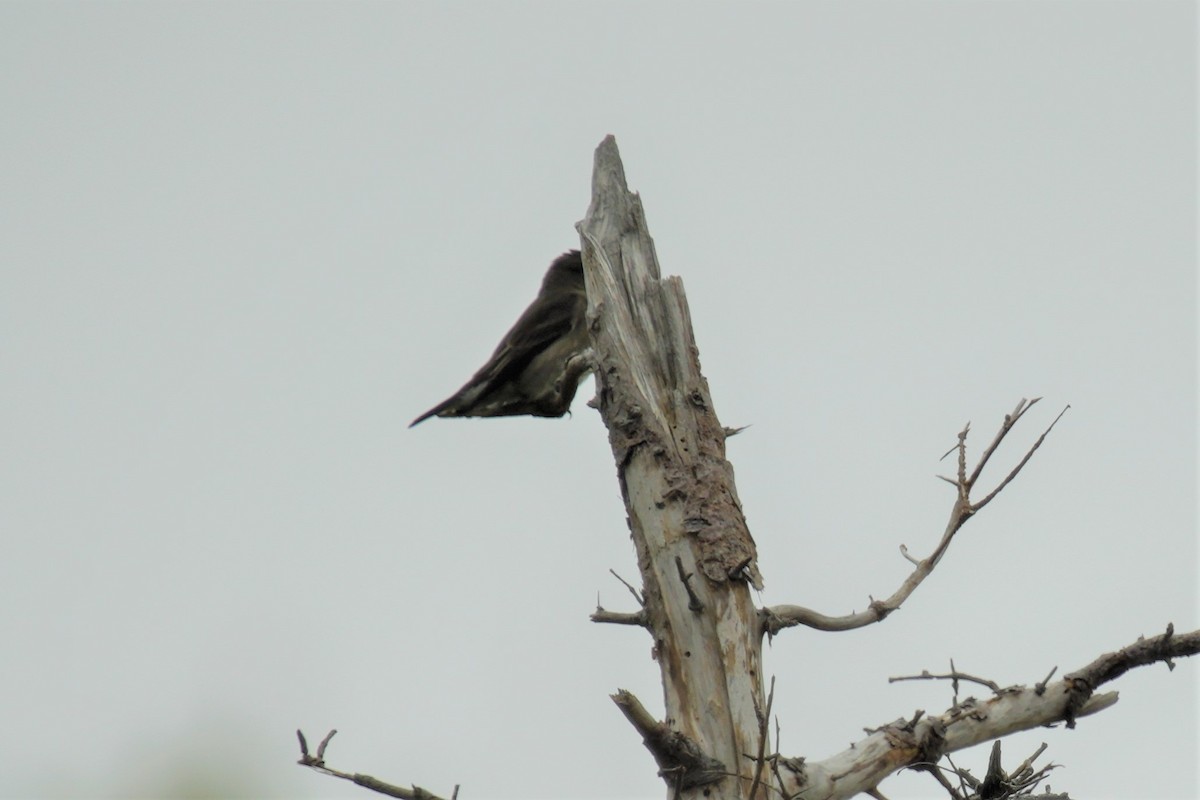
(539, 363)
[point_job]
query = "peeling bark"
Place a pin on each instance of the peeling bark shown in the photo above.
(695, 552)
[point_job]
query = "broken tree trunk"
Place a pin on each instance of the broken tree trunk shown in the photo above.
(695, 553)
(698, 563)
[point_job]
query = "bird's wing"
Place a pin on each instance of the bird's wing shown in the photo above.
(548, 319)
(551, 316)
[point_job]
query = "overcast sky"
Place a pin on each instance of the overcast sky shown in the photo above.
(244, 244)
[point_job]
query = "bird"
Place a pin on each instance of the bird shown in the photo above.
(540, 362)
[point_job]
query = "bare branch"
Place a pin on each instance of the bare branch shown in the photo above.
(681, 762)
(998, 784)
(1009, 421)
(940, 778)
(921, 742)
(1110, 666)
(305, 758)
(618, 618)
(1028, 455)
(776, 761)
(954, 676)
(1028, 763)
(776, 618)
(966, 781)
(1040, 686)
(962, 458)
(764, 721)
(641, 601)
(317, 763)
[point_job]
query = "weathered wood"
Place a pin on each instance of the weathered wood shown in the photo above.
(696, 555)
(698, 561)
(867, 762)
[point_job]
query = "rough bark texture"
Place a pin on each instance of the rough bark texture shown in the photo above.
(698, 561)
(925, 740)
(695, 552)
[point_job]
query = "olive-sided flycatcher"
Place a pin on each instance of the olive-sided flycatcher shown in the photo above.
(541, 360)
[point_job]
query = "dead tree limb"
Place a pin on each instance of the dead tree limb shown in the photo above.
(776, 618)
(698, 562)
(680, 761)
(953, 675)
(637, 618)
(317, 762)
(923, 740)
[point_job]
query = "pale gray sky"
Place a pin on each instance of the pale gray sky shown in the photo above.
(245, 243)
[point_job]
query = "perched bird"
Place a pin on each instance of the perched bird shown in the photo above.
(541, 360)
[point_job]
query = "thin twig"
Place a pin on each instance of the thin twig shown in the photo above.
(966, 781)
(775, 759)
(1009, 421)
(1022, 463)
(1027, 764)
(1040, 686)
(936, 772)
(950, 676)
(764, 721)
(636, 594)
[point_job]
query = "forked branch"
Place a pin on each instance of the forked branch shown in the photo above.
(317, 762)
(776, 618)
(637, 618)
(953, 675)
(923, 740)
